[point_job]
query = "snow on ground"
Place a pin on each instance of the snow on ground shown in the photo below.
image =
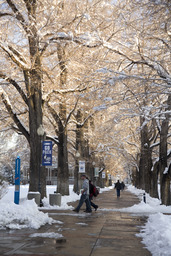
(27, 214)
(22, 216)
(49, 235)
(156, 234)
(152, 205)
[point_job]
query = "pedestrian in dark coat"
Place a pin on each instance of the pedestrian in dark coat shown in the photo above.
(122, 185)
(118, 188)
(91, 189)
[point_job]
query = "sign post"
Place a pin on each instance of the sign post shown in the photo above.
(17, 181)
(103, 175)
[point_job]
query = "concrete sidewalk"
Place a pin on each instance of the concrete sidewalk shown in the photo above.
(98, 233)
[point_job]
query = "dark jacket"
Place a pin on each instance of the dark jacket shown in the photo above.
(122, 185)
(118, 185)
(91, 187)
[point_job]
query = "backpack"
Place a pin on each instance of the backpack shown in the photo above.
(95, 191)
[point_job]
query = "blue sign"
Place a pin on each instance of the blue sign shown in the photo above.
(17, 181)
(47, 153)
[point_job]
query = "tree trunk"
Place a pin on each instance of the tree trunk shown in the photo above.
(33, 80)
(154, 181)
(37, 171)
(33, 83)
(78, 147)
(76, 170)
(82, 148)
(63, 170)
(164, 174)
(145, 163)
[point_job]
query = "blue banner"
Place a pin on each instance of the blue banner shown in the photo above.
(47, 153)
(17, 181)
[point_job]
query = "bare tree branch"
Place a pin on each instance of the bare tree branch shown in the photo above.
(13, 115)
(16, 85)
(15, 56)
(18, 15)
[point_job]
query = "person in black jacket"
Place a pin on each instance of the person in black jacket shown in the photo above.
(91, 194)
(118, 187)
(122, 186)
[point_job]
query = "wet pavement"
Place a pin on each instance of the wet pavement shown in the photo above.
(104, 232)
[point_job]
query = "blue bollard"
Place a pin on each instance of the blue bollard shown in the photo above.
(17, 181)
(144, 198)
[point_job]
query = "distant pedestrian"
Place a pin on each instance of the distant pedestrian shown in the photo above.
(122, 185)
(118, 188)
(92, 189)
(84, 195)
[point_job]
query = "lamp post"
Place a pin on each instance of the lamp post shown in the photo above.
(40, 132)
(77, 155)
(93, 164)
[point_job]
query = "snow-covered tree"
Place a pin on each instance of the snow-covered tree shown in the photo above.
(28, 48)
(144, 48)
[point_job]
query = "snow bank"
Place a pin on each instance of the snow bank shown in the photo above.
(25, 215)
(156, 234)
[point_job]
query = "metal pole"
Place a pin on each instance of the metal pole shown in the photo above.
(77, 176)
(17, 181)
(77, 155)
(39, 186)
(40, 132)
(144, 198)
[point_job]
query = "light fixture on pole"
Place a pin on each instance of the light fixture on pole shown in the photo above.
(40, 132)
(77, 155)
(93, 163)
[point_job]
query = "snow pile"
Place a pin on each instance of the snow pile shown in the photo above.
(3, 188)
(47, 235)
(25, 215)
(156, 234)
(152, 205)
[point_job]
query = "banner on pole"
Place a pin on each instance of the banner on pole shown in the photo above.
(96, 172)
(81, 166)
(103, 175)
(47, 153)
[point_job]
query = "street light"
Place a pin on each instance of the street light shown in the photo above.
(40, 132)
(77, 155)
(93, 163)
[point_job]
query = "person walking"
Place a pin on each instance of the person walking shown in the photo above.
(91, 194)
(118, 188)
(122, 186)
(84, 195)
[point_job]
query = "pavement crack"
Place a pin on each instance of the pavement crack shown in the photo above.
(18, 246)
(96, 240)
